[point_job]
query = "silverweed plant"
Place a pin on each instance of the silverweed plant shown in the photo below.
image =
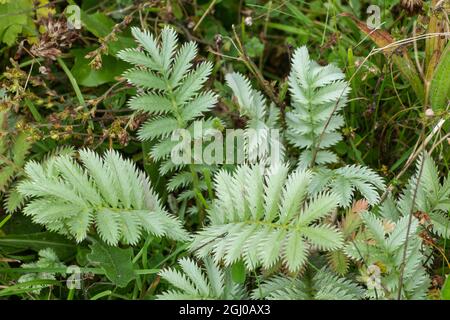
(343, 191)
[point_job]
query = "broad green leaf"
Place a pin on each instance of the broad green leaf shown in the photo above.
(440, 84)
(99, 24)
(238, 273)
(254, 47)
(15, 19)
(116, 262)
(445, 291)
(88, 77)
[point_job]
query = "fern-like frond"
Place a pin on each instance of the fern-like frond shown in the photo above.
(279, 225)
(259, 140)
(432, 196)
(324, 285)
(345, 181)
(172, 93)
(196, 283)
(108, 192)
(318, 93)
(47, 259)
(381, 245)
(173, 86)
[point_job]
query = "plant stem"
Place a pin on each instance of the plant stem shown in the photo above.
(211, 5)
(71, 294)
(254, 69)
(75, 86)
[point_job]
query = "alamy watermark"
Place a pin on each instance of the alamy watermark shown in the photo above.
(73, 15)
(74, 280)
(374, 19)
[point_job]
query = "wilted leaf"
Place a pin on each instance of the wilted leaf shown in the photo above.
(360, 206)
(338, 262)
(398, 54)
(434, 45)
